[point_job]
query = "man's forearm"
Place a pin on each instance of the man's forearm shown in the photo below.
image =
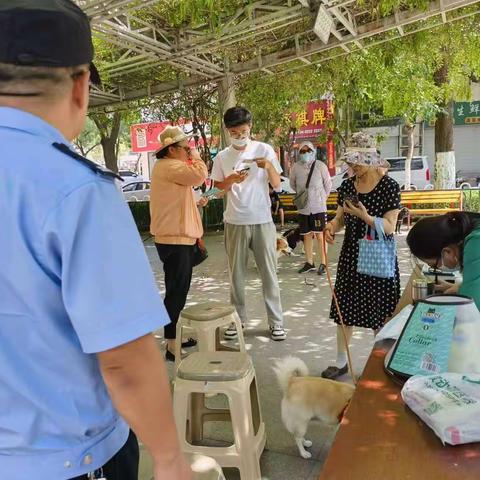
(137, 380)
(274, 177)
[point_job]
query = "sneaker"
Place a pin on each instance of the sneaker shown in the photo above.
(231, 331)
(277, 333)
(321, 269)
(191, 342)
(308, 267)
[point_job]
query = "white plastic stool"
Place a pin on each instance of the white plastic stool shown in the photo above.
(205, 468)
(206, 319)
(233, 375)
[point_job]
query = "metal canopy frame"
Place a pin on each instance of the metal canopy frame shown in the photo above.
(267, 35)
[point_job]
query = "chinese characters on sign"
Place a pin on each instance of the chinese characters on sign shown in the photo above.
(467, 113)
(312, 122)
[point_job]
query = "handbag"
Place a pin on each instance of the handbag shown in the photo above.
(377, 258)
(200, 253)
(301, 199)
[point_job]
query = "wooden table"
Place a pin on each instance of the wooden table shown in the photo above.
(381, 439)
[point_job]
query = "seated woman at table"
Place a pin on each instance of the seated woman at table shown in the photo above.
(450, 241)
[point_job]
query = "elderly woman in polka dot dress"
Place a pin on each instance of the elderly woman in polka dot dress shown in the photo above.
(365, 301)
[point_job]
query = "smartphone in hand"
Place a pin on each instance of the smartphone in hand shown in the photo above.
(353, 199)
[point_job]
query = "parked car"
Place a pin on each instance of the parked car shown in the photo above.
(129, 177)
(137, 192)
(420, 179)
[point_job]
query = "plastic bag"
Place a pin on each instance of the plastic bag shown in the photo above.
(449, 403)
(393, 328)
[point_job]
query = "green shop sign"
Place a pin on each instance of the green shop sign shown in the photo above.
(467, 113)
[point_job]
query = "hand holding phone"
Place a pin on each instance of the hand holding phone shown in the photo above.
(353, 199)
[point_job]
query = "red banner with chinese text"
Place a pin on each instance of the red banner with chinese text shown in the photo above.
(312, 122)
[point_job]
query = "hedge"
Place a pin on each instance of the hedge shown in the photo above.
(212, 215)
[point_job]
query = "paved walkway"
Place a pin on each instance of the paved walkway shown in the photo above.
(311, 336)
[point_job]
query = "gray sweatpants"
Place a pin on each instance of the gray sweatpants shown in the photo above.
(261, 240)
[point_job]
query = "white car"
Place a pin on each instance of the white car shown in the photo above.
(137, 192)
(420, 172)
(129, 177)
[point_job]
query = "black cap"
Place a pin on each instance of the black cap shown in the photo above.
(45, 33)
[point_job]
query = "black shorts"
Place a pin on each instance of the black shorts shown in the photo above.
(313, 223)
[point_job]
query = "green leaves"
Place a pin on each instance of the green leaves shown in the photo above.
(271, 99)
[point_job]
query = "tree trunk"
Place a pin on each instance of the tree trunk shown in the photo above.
(410, 129)
(226, 100)
(109, 139)
(444, 153)
(109, 146)
(200, 127)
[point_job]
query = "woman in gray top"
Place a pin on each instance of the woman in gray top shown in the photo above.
(313, 217)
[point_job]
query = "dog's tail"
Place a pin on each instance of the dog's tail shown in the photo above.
(289, 367)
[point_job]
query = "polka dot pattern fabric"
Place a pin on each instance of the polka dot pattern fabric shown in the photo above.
(365, 301)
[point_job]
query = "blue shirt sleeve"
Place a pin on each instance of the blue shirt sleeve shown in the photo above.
(92, 245)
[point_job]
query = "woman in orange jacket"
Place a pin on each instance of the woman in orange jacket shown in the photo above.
(175, 221)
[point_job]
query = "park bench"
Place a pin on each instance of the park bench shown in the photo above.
(291, 210)
(422, 203)
(418, 202)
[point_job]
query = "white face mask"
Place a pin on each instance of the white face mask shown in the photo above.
(306, 157)
(444, 268)
(239, 142)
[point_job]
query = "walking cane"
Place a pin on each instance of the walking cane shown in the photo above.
(337, 306)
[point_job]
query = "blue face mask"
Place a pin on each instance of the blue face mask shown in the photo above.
(306, 157)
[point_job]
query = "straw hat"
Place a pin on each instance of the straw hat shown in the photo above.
(362, 150)
(171, 135)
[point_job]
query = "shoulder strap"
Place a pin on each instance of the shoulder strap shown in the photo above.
(310, 174)
(99, 170)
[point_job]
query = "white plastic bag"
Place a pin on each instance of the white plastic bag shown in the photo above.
(393, 328)
(449, 403)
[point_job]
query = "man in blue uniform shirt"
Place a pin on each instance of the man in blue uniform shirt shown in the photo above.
(79, 365)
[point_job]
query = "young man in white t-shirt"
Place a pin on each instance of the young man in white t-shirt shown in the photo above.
(244, 171)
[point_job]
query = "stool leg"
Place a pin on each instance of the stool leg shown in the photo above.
(206, 340)
(241, 339)
(178, 346)
(242, 425)
(180, 411)
(196, 417)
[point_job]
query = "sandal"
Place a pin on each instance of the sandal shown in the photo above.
(333, 372)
